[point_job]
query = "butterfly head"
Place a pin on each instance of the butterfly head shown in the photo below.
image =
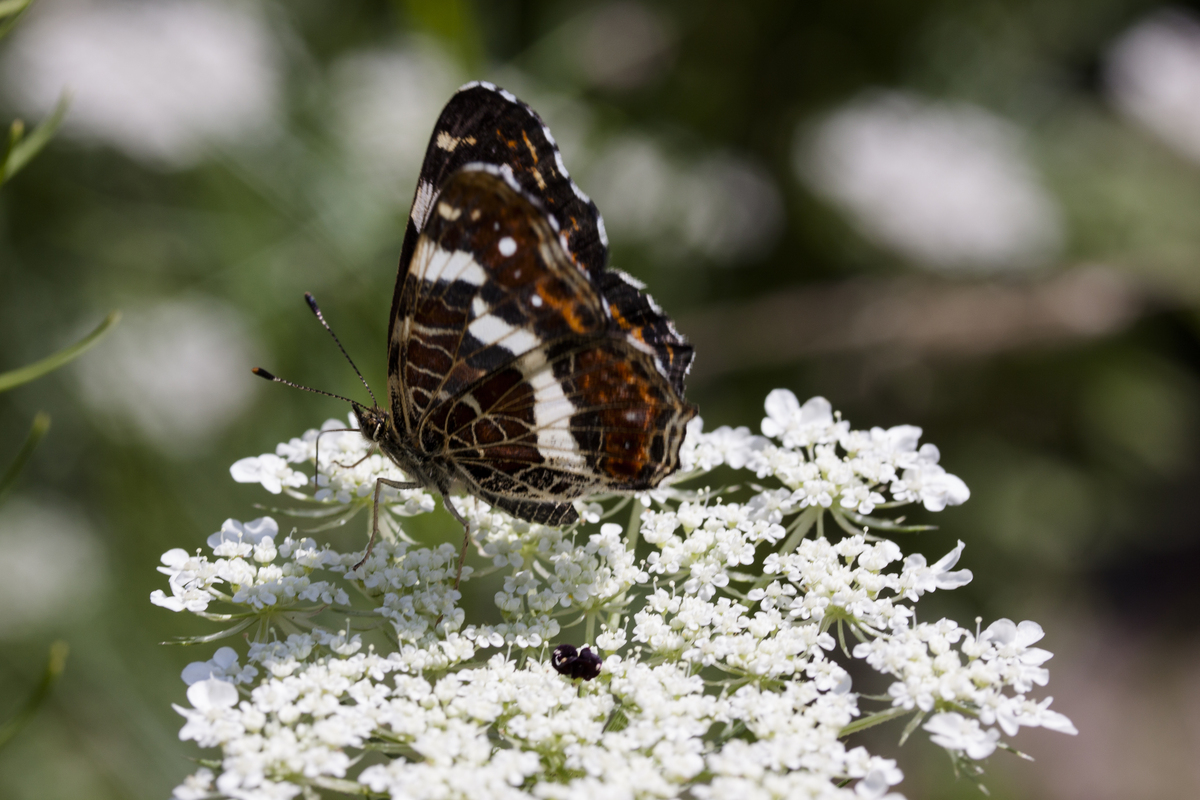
(373, 422)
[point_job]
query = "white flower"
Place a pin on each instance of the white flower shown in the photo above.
(195, 787)
(270, 470)
(1034, 715)
(722, 206)
(796, 425)
(918, 578)
(722, 675)
(725, 445)
(159, 81)
(222, 666)
(946, 186)
(923, 479)
(955, 732)
(53, 562)
(1153, 76)
(209, 721)
(176, 372)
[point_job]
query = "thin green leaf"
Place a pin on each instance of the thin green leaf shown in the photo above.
(212, 637)
(21, 151)
(1014, 751)
(341, 785)
(845, 525)
(10, 7)
(878, 523)
(15, 132)
(911, 726)
(25, 374)
(11, 12)
(842, 638)
(617, 721)
(56, 662)
(41, 424)
(872, 720)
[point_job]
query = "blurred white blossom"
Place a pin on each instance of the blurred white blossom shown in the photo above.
(945, 186)
(159, 81)
(723, 206)
(1153, 76)
(175, 372)
(622, 45)
(385, 104)
(953, 731)
(463, 707)
(53, 566)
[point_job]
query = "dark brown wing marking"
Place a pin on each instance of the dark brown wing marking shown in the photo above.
(636, 313)
(488, 282)
(582, 416)
(483, 124)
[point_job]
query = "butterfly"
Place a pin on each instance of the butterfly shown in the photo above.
(520, 368)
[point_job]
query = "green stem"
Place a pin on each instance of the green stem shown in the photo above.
(41, 424)
(56, 662)
(634, 529)
(872, 720)
(10, 13)
(37, 369)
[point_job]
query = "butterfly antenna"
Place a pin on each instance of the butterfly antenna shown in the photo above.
(312, 303)
(262, 373)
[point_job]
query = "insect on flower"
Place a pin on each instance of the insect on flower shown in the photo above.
(520, 368)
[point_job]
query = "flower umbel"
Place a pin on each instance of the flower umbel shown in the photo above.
(699, 649)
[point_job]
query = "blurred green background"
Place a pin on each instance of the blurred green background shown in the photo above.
(978, 216)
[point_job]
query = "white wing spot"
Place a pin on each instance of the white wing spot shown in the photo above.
(449, 212)
(490, 329)
(632, 281)
(503, 170)
(508, 246)
(536, 301)
(421, 203)
(552, 415)
(436, 264)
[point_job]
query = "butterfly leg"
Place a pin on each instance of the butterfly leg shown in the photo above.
(379, 484)
(462, 556)
(370, 453)
(317, 449)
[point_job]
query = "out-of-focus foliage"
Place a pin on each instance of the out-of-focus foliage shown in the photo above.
(982, 217)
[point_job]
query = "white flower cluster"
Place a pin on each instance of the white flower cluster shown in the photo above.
(722, 625)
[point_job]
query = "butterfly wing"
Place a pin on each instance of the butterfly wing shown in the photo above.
(640, 318)
(488, 282)
(569, 419)
(485, 124)
(514, 370)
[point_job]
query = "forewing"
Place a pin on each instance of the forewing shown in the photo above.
(483, 124)
(487, 283)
